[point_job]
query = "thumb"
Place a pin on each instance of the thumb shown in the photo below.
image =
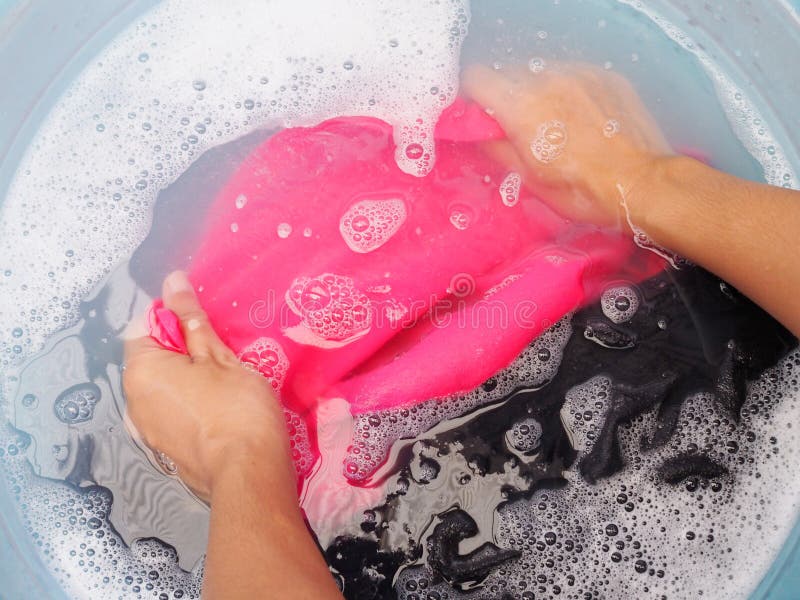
(201, 339)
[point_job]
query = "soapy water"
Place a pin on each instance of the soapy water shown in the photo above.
(173, 87)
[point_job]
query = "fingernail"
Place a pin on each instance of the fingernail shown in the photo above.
(177, 282)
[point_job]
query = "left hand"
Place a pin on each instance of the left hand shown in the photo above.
(203, 410)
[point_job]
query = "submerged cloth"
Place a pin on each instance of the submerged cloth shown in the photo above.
(335, 273)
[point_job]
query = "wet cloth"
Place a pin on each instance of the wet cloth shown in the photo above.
(334, 273)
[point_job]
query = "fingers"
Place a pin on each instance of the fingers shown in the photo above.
(201, 339)
(632, 103)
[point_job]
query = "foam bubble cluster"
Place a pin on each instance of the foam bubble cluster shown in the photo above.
(330, 306)
(510, 187)
(550, 141)
(369, 224)
(184, 78)
(584, 411)
(299, 442)
(619, 303)
(525, 435)
(76, 405)
(266, 356)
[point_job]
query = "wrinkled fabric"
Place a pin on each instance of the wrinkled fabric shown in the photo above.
(334, 273)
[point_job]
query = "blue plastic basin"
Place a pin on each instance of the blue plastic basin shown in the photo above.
(44, 44)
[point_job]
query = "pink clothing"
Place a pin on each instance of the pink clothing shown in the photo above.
(336, 274)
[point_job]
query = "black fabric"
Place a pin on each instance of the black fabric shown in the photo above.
(692, 333)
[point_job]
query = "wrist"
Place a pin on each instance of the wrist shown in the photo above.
(669, 200)
(259, 461)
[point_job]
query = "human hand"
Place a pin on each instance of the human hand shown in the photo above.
(575, 132)
(203, 410)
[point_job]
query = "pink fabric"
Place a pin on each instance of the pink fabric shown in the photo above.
(335, 273)
(164, 326)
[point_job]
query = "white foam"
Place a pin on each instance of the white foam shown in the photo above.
(267, 357)
(369, 224)
(184, 78)
(550, 141)
(619, 303)
(331, 308)
(83, 551)
(509, 189)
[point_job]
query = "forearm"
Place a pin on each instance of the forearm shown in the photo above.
(259, 546)
(746, 233)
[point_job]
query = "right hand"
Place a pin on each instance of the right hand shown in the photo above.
(595, 135)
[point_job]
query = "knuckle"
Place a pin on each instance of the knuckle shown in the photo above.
(195, 314)
(227, 358)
